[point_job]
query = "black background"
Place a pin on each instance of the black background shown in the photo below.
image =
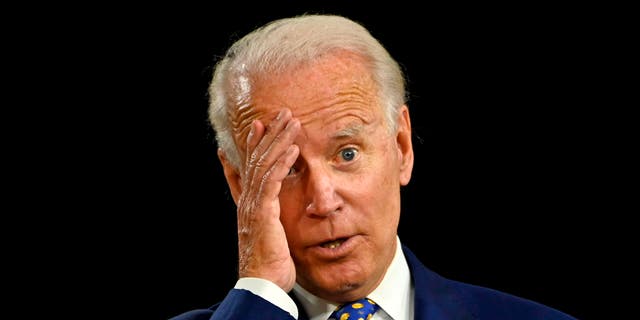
(509, 182)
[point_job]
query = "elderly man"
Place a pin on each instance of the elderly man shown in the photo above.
(315, 140)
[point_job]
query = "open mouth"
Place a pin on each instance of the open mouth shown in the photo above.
(333, 244)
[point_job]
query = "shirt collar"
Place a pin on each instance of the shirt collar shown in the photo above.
(394, 294)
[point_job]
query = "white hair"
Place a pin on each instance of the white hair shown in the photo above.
(286, 43)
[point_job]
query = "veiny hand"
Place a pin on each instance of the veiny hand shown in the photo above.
(263, 249)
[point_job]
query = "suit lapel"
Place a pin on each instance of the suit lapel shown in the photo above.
(302, 314)
(435, 296)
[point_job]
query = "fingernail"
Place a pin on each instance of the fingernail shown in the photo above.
(253, 128)
(280, 114)
(291, 123)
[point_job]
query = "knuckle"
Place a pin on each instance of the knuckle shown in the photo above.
(260, 162)
(252, 158)
(266, 177)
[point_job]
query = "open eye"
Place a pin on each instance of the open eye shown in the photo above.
(348, 154)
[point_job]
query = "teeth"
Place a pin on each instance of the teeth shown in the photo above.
(332, 244)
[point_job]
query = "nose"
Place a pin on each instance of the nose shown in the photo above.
(321, 192)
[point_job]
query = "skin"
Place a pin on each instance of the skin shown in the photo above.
(320, 166)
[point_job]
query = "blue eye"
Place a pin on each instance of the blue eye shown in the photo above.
(348, 154)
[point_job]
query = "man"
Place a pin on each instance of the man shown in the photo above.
(315, 140)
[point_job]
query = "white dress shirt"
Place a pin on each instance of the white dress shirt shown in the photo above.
(394, 295)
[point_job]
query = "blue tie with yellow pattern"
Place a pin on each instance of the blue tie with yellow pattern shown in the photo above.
(362, 309)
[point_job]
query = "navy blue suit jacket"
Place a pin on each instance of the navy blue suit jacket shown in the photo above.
(436, 298)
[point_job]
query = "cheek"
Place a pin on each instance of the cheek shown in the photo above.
(383, 169)
(372, 194)
(379, 190)
(291, 207)
(380, 181)
(292, 216)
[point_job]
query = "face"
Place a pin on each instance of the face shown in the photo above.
(340, 204)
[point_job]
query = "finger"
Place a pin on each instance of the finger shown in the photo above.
(264, 183)
(271, 182)
(272, 130)
(271, 141)
(253, 138)
(279, 144)
(255, 132)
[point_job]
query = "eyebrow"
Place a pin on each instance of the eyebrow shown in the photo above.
(348, 132)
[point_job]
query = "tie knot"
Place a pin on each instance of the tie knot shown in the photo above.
(362, 309)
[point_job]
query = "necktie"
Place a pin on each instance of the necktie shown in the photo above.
(362, 309)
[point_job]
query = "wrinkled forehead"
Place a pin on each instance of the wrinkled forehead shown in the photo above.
(336, 86)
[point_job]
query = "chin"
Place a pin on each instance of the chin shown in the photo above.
(337, 283)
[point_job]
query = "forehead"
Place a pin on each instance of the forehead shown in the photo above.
(334, 89)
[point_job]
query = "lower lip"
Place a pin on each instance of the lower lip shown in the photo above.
(345, 249)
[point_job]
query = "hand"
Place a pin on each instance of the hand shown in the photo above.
(263, 249)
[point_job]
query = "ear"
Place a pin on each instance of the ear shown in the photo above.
(234, 180)
(405, 147)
